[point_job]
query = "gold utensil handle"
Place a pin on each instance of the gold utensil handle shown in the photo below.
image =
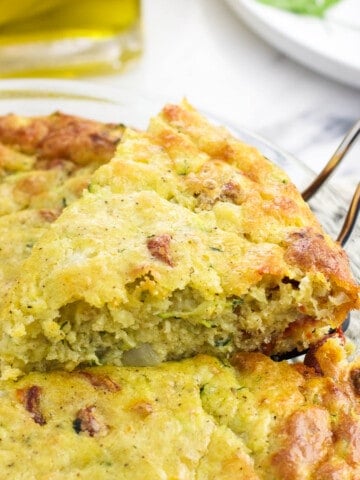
(350, 218)
(334, 161)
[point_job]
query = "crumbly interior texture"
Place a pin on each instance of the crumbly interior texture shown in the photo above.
(45, 163)
(187, 242)
(193, 419)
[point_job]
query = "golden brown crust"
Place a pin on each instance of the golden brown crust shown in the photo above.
(315, 435)
(305, 437)
(258, 420)
(45, 164)
(309, 250)
(311, 360)
(60, 136)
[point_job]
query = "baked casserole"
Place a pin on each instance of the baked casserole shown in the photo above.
(193, 419)
(188, 241)
(45, 163)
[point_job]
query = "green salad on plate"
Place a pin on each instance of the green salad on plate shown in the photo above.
(305, 7)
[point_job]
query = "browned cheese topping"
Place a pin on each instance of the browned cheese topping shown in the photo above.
(197, 418)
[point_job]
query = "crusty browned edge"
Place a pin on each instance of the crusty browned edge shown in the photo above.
(60, 136)
(320, 438)
(309, 250)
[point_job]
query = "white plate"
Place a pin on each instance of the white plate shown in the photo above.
(329, 45)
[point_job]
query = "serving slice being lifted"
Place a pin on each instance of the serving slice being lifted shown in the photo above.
(188, 241)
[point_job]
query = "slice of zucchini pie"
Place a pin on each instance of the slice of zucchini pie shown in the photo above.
(188, 241)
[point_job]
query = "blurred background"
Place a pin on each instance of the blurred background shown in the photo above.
(207, 51)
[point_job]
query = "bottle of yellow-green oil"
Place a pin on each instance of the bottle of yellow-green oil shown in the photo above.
(67, 37)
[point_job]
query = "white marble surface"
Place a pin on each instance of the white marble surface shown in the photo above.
(201, 50)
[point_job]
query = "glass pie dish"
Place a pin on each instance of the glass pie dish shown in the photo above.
(42, 97)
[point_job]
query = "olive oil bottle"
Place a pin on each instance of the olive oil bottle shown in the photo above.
(67, 37)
